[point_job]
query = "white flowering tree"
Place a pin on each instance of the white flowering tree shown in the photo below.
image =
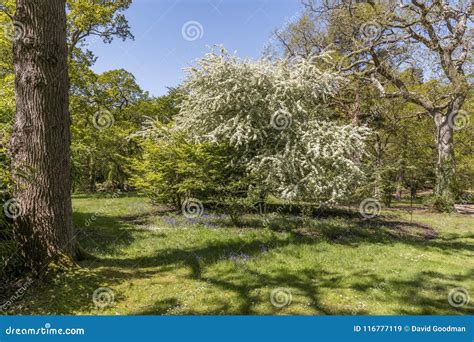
(273, 114)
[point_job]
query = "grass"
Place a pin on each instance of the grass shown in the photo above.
(162, 263)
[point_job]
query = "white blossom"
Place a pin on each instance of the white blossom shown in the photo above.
(245, 104)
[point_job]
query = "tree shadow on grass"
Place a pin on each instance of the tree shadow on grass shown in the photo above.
(307, 283)
(100, 234)
(197, 259)
(73, 293)
(161, 307)
(433, 293)
(425, 294)
(384, 231)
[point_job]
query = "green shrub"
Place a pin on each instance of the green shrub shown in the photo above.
(238, 197)
(443, 204)
(10, 259)
(174, 169)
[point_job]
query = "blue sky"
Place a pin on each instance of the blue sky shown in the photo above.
(160, 51)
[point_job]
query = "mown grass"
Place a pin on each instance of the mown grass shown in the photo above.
(163, 263)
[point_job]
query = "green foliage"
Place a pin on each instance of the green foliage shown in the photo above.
(10, 260)
(99, 156)
(399, 157)
(100, 18)
(97, 20)
(443, 204)
(6, 58)
(100, 149)
(238, 196)
(387, 186)
(464, 148)
(274, 116)
(173, 168)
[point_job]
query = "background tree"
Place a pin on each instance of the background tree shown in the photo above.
(375, 41)
(87, 22)
(439, 30)
(96, 20)
(41, 134)
(274, 116)
(105, 112)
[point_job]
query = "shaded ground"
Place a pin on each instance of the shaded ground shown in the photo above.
(150, 262)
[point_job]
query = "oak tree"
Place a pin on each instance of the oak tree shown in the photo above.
(41, 134)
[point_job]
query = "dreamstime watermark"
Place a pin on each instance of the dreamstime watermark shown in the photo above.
(14, 30)
(17, 295)
(192, 208)
(458, 297)
(13, 208)
(102, 209)
(3, 135)
(268, 218)
(46, 330)
(370, 208)
(281, 120)
(370, 31)
(192, 30)
(103, 119)
(458, 120)
(281, 297)
(103, 297)
(466, 198)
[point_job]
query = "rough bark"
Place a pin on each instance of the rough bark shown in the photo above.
(41, 134)
(445, 167)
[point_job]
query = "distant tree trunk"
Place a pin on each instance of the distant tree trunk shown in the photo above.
(178, 202)
(378, 165)
(400, 179)
(41, 133)
(401, 170)
(445, 167)
(262, 203)
(91, 174)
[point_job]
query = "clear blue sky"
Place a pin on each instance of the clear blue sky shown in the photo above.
(160, 52)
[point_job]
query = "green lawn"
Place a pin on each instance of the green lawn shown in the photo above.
(167, 264)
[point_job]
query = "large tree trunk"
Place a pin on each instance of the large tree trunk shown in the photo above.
(41, 134)
(445, 168)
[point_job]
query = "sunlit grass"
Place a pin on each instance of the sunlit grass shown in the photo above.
(164, 263)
